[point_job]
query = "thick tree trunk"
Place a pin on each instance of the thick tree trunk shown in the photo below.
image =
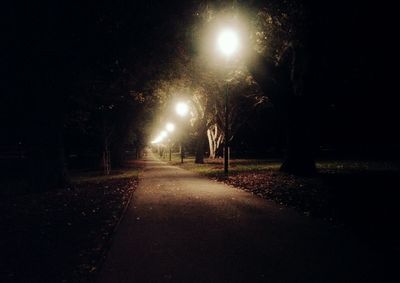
(289, 86)
(210, 145)
(215, 138)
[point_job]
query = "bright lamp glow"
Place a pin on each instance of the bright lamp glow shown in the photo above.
(182, 109)
(170, 127)
(163, 134)
(160, 137)
(228, 42)
(156, 140)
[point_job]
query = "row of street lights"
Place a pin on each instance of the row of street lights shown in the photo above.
(228, 44)
(181, 109)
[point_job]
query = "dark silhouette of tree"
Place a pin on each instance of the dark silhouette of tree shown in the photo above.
(287, 72)
(80, 71)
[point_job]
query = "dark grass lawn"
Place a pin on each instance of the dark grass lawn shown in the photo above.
(62, 235)
(362, 196)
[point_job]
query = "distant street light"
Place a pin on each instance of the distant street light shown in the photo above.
(170, 127)
(158, 140)
(163, 134)
(182, 109)
(227, 44)
(160, 137)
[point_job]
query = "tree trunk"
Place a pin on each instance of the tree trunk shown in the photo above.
(290, 86)
(215, 138)
(210, 145)
(106, 158)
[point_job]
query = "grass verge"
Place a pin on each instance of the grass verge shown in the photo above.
(61, 236)
(361, 195)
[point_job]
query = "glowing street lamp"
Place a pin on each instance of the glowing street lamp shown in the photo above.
(227, 44)
(163, 134)
(182, 109)
(160, 137)
(170, 127)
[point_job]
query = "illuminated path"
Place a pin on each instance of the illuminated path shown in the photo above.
(184, 228)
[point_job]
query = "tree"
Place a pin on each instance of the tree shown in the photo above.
(75, 68)
(287, 74)
(215, 137)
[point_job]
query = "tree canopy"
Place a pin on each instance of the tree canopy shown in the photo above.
(92, 79)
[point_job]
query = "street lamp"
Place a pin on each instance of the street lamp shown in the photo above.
(228, 42)
(170, 127)
(163, 134)
(158, 140)
(228, 45)
(182, 109)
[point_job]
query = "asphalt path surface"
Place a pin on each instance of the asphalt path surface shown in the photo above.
(181, 227)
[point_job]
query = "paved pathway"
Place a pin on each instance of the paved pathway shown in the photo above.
(181, 227)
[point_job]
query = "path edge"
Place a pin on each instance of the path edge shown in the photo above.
(107, 245)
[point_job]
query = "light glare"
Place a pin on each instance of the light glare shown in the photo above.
(182, 109)
(160, 137)
(170, 127)
(163, 134)
(228, 42)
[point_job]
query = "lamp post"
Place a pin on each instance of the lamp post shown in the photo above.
(227, 44)
(182, 109)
